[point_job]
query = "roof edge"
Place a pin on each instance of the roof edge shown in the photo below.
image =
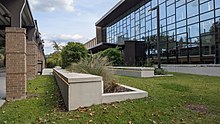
(110, 11)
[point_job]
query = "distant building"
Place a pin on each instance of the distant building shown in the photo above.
(190, 30)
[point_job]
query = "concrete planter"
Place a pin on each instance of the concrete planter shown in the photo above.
(133, 71)
(83, 90)
(122, 96)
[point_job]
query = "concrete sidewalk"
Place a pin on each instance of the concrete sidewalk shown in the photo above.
(2, 86)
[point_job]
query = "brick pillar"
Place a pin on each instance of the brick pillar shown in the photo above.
(15, 63)
(38, 58)
(31, 60)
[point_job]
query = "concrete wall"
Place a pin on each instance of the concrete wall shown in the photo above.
(82, 90)
(133, 71)
(79, 90)
(211, 70)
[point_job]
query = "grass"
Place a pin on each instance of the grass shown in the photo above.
(167, 103)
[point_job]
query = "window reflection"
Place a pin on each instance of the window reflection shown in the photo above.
(170, 10)
(171, 20)
(206, 6)
(180, 2)
(193, 46)
(217, 4)
(181, 13)
(192, 8)
(206, 16)
(193, 30)
(141, 25)
(208, 45)
(182, 44)
(162, 11)
(206, 26)
(193, 20)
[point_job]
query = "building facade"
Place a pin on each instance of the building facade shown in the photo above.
(190, 29)
(24, 49)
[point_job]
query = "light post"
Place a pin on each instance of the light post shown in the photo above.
(158, 34)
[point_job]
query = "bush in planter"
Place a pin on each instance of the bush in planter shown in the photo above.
(96, 65)
(73, 52)
(114, 55)
(160, 71)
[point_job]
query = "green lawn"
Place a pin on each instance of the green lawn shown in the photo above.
(179, 99)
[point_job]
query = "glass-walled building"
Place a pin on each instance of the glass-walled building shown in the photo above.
(190, 29)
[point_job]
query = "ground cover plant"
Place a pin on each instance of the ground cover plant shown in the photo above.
(182, 98)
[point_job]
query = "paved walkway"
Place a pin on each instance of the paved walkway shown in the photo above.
(47, 71)
(2, 86)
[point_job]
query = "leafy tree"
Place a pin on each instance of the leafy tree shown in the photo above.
(72, 53)
(114, 55)
(54, 59)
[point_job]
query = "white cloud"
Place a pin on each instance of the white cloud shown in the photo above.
(61, 39)
(51, 5)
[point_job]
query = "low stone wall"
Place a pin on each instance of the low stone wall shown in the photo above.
(79, 90)
(133, 71)
(83, 90)
(202, 69)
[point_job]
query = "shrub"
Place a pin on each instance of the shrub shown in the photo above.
(53, 60)
(73, 52)
(114, 55)
(96, 65)
(160, 71)
(50, 63)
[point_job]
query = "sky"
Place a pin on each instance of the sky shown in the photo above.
(65, 21)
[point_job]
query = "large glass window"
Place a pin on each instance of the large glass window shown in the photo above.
(171, 20)
(217, 4)
(193, 30)
(154, 3)
(182, 44)
(170, 27)
(193, 20)
(163, 22)
(154, 23)
(170, 10)
(208, 45)
(217, 12)
(181, 13)
(206, 16)
(206, 26)
(162, 11)
(193, 46)
(181, 23)
(207, 6)
(193, 8)
(170, 2)
(148, 25)
(181, 30)
(178, 19)
(180, 2)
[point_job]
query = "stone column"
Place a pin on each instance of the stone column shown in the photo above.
(31, 60)
(15, 63)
